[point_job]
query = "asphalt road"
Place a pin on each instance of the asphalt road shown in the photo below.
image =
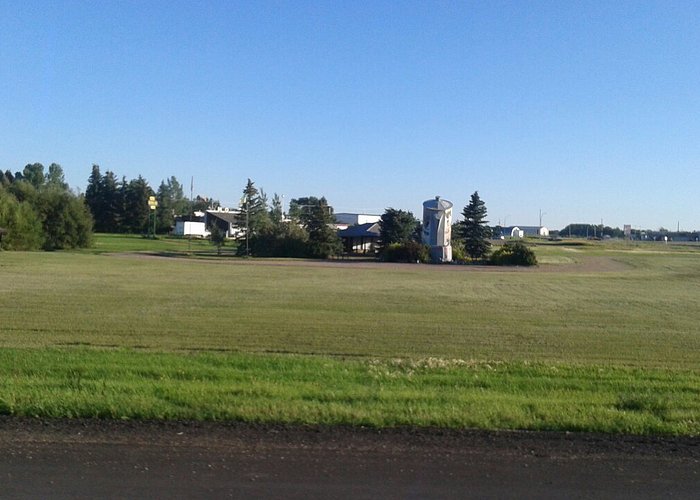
(104, 459)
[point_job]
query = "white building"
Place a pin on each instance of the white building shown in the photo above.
(437, 229)
(523, 231)
(344, 220)
(193, 226)
(226, 220)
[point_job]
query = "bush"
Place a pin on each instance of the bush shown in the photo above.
(282, 240)
(513, 253)
(22, 223)
(458, 252)
(50, 218)
(409, 251)
(66, 220)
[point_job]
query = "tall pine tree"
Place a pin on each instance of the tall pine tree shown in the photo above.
(136, 209)
(171, 203)
(474, 228)
(252, 218)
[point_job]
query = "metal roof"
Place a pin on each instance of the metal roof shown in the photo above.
(229, 217)
(437, 204)
(368, 230)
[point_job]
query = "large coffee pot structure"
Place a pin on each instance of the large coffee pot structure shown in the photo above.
(437, 228)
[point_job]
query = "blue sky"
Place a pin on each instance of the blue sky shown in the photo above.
(583, 110)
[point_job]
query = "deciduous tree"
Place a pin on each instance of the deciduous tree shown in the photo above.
(396, 226)
(66, 221)
(33, 173)
(20, 220)
(55, 177)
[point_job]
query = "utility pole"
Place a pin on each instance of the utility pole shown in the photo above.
(247, 223)
(541, 214)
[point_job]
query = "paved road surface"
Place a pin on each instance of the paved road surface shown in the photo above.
(97, 459)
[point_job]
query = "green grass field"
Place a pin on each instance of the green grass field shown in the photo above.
(602, 337)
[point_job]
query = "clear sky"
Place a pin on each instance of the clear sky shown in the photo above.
(583, 110)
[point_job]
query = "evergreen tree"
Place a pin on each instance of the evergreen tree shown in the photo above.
(217, 237)
(280, 238)
(136, 210)
(276, 211)
(317, 218)
(104, 200)
(474, 229)
(252, 218)
(112, 209)
(93, 196)
(171, 203)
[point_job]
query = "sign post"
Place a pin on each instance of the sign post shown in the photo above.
(152, 204)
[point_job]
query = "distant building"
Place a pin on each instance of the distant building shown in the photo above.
(225, 219)
(523, 231)
(344, 220)
(360, 239)
(192, 226)
(437, 229)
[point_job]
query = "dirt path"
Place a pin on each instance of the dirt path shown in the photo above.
(105, 459)
(584, 264)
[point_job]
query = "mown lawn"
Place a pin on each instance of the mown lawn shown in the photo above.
(637, 324)
(140, 243)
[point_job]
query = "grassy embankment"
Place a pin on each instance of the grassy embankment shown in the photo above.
(109, 336)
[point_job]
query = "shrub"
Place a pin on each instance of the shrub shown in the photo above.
(458, 252)
(408, 251)
(513, 253)
(281, 240)
(22, 223)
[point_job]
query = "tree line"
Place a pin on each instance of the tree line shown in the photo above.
(39, 211)
(264, 230)
(121, 205)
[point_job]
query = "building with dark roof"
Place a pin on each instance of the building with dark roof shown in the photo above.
(225, 220)
(360, 239)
